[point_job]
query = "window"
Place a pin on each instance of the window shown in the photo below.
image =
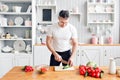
(47, 15)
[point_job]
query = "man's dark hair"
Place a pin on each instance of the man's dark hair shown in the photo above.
(64, 14)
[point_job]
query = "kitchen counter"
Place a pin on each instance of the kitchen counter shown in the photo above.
(86, 45)
(17, 74)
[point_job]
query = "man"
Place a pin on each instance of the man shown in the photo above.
(62, 40)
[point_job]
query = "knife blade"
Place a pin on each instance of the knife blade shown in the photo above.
(64, 61)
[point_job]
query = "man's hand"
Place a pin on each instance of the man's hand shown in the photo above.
(70, 61)
(58, 57)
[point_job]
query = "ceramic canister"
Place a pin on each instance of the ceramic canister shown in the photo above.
(28, 23)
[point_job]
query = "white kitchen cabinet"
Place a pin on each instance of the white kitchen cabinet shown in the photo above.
(117, 54)
(41, 55)
(98, 54)
(6, 63)
(23, 59)
(107, 52)
(89, 53)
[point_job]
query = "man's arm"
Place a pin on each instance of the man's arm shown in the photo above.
(74, 49)
(74, 46)
(49, 45)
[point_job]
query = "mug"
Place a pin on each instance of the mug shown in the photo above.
(17, 8)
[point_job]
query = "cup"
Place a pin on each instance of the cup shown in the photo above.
(17, 8)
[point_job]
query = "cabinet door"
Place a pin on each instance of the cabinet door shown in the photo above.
(89, 53)
(23, 59)
(107, 53)
(41, 55)
(117, 54)
(6, 63)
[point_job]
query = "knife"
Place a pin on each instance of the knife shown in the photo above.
(64, 61)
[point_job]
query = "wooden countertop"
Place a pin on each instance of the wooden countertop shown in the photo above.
(17, 74)
(86, 45)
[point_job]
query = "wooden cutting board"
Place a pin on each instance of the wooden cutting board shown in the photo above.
(60, 68)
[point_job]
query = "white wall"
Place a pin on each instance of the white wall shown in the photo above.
(83, 33)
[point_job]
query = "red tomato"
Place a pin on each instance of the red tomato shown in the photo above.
(93, 74)
(82, 67)
(97, 75)
(89, 70)
(90, 74)
(82, 71)
(93, 71)
(97, 70)
(43, 70)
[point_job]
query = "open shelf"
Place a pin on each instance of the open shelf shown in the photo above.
(101, 23)
(43, 5)
(89, 3)
(15, 1)
(76, 14)
(15, 13)
(16, 39)
(100, 12)
(15, 26)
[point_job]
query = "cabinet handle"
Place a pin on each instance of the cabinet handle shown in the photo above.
(105, 54)
(82, 54)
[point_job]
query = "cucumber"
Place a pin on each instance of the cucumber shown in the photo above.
(101, 74)
(67, 66)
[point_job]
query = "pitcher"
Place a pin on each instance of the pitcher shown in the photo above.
(112, 66)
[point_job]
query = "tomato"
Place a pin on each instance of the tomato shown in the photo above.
(82, 71)
(89, 70)
(93, 71)
(82, 67)
(93, 74)
(43, 70)
(97, 75)
(90, 74)
(97, 70)
(86, 67)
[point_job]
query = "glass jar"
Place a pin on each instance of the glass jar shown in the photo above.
(94, 39)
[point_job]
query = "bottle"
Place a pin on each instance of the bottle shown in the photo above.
(112, 66)
(27, 34)
(98, 30)
(110, 40)
(101, 40)
(39, 39)
(94, 39)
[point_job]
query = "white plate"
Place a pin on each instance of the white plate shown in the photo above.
(19, 45)
(18, 20)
